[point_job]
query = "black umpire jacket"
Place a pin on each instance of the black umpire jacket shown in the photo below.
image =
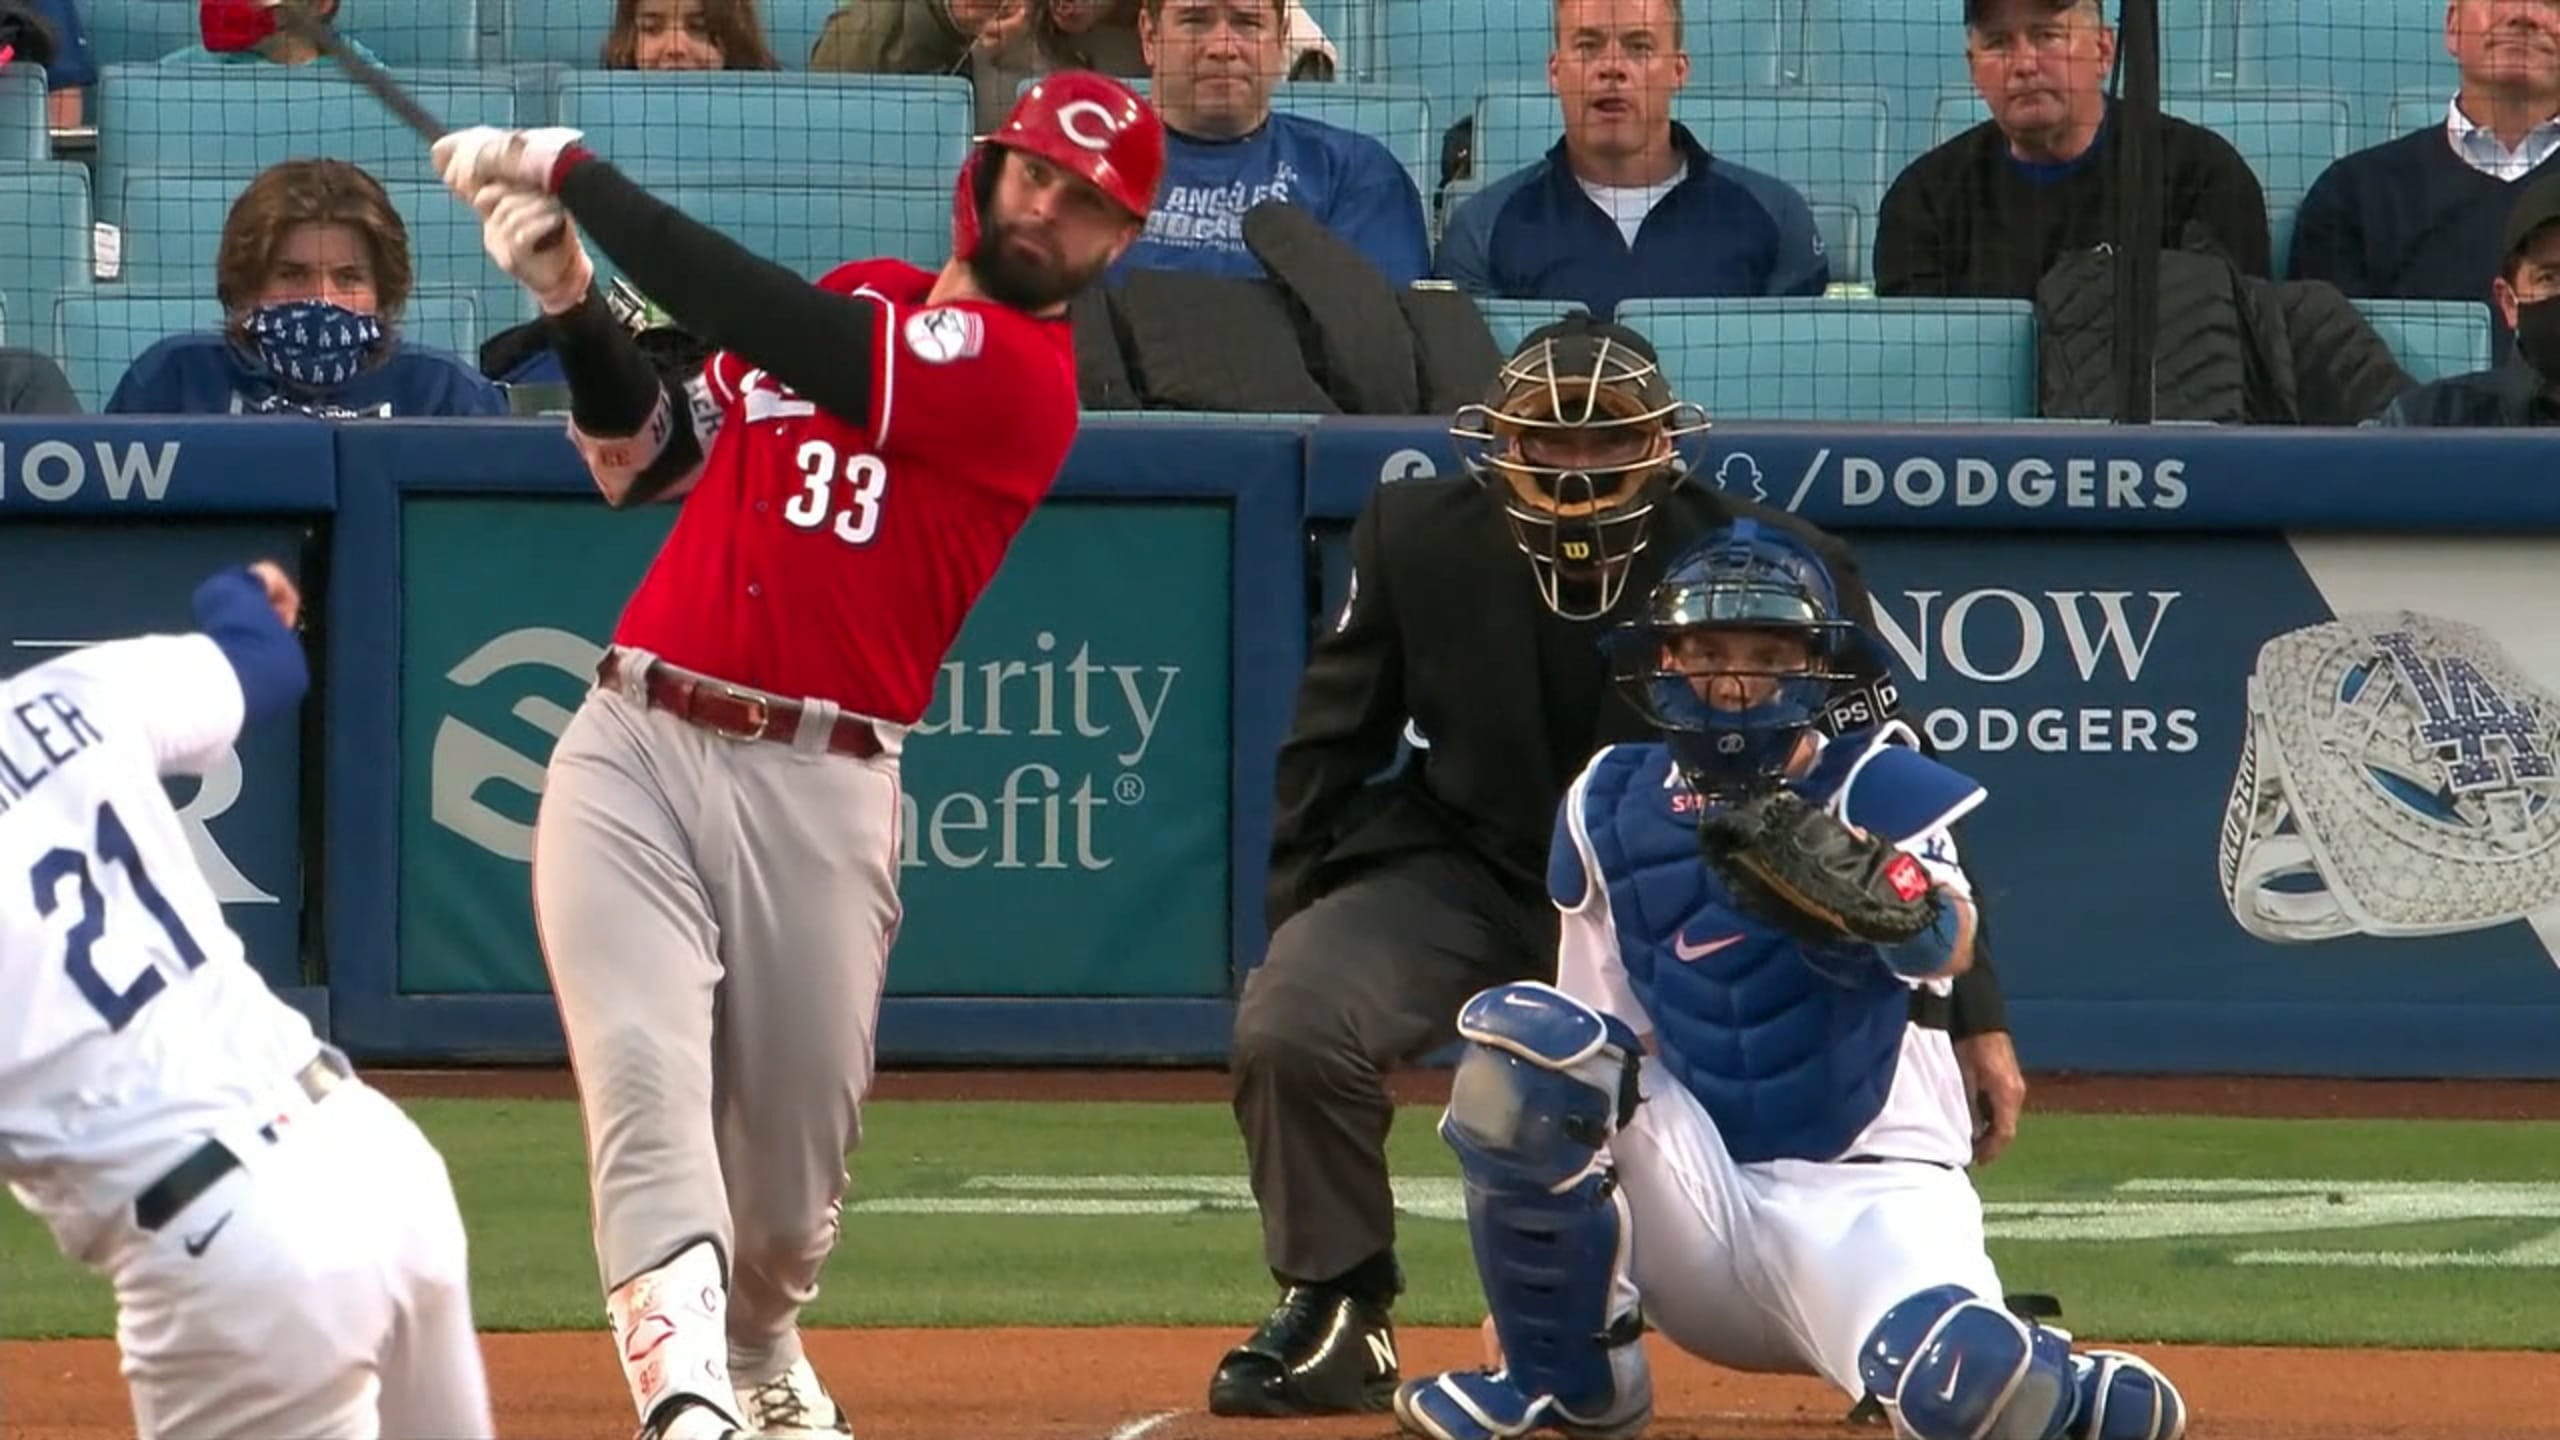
(1437, 632)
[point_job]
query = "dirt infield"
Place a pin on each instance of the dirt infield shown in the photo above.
(1148, 1384)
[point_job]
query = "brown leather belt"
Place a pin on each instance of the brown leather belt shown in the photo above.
(736, 712)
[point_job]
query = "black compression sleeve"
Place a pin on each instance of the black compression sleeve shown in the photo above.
(612, 386)
(818, 344)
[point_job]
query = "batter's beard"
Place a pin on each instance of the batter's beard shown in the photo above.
(1025, 285)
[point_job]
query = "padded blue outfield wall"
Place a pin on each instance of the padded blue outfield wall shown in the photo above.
(2228, 831)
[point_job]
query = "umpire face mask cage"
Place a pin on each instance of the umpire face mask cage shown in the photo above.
(1736, 652)
(1578, 437)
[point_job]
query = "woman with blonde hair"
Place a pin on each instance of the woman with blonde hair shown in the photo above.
(313, 273)
(687, 35)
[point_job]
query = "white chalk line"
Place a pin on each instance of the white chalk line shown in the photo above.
(1144, 1425)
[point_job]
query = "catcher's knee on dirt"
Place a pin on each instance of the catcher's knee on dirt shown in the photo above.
(1951, 1365)
(1544, 1082)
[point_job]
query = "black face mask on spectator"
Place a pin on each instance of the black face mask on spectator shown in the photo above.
(2538, 336)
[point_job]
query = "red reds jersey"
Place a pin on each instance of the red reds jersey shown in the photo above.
(837, 556)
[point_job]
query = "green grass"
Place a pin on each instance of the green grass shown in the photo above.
(2130, 1263)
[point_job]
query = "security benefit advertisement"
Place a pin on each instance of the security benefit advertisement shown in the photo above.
(67, 583)
(2247, 769)
(1065, 815)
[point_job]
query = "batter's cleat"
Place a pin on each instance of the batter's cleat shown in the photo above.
(1321, 1352)
(1485, 1405)
(793, 1404)
(685, 1418)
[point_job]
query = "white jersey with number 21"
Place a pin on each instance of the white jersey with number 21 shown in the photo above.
(130, 1022)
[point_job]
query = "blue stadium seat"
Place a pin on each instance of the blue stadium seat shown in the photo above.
(97, 336)
(1457, 50)
(1914, 53)
(1848, 360)
(555, 32)
(2288, 138)
(814, 230)
(2433, 338)
(431, 33)
(1397, 116)
(173, 223)
(2415, 110)
(1952, 112)
(2367, 51)
(127, 32)
(778, 130)
(45, 237)
(1828, 145)
(23, 136)
(236, 122)
(1512, 320)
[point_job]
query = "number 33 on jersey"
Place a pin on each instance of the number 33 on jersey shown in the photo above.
(838, 555)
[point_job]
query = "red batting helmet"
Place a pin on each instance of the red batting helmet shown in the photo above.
(1089, 125)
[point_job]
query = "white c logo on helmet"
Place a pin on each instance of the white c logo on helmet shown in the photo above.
(1072, 114)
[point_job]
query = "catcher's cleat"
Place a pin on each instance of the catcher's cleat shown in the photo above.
(1321, 1352)
(794, 1403)
(1489, 1405)
(685, 1418)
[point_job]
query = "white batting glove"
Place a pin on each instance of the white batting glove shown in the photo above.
(530, 236)
(485, 154)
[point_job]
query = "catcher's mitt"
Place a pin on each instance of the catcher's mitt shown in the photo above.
(1793, 864)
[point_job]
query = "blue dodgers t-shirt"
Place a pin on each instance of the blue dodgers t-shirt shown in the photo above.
(1345, 179)
(208, 375)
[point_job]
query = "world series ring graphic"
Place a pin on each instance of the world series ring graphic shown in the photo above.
(2414, 761)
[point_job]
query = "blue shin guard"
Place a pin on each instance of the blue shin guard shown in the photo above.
(1951, 1365)
(1545, 1081)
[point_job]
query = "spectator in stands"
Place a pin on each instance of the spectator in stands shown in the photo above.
(1989, 212)
(1214, 63)
(687, 35)
(2419, 218)
(2525, 389)
(49, 33)
(312, 272)
(31, 384)
(244, 32)
(1001, 43)
(1629, 204)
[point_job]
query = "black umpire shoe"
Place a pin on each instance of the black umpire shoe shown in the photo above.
(1321, 1352)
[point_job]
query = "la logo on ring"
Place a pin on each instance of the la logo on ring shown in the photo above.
(1076, 114)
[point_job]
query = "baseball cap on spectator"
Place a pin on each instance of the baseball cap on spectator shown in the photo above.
(1974, 10)
(2536, 205)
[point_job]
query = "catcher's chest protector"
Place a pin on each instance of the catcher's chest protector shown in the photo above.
(1789, 1063)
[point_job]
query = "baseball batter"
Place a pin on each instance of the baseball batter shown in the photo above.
(284, 1247)
(1717, 1125)
(715, 859)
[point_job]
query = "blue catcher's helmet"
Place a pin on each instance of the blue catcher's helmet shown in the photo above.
(1733, 713)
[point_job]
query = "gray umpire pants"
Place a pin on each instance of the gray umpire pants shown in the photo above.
(1369, 976)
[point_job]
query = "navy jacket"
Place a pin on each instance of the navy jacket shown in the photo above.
(1724, 230)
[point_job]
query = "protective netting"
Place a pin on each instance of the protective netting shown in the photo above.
(1819, 209)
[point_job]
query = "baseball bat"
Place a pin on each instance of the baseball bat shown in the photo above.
(303, 25)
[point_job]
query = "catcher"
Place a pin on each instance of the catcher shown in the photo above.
(1721, 1121)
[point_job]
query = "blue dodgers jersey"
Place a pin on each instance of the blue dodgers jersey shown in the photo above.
(208, 375)
(1791, 1062)
(1345, 179)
